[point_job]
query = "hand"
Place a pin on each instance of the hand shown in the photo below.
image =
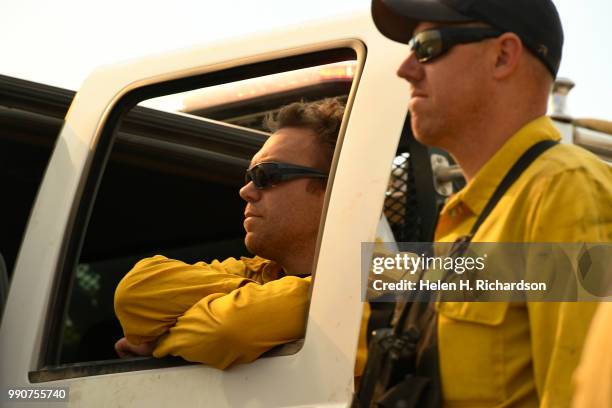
(126, 349)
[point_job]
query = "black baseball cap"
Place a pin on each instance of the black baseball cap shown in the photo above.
(536, 22)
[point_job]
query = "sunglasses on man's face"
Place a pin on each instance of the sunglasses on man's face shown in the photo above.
(430, 44)
(267, 174)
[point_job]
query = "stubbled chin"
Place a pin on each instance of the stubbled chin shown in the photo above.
(250, 242)
(420, 130)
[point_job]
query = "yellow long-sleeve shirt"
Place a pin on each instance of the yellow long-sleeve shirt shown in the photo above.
(522, 354)
(219, 313)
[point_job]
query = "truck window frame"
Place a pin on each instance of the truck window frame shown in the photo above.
(48, 367)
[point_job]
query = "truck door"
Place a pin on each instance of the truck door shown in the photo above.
(70, 252)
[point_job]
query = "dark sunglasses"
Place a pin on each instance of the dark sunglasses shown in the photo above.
(430, 44)
(267, 174)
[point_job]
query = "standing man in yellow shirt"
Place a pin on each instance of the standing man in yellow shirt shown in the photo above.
(232, 311)
(480, 72)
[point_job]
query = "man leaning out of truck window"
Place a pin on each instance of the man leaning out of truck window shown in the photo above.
(232, 311)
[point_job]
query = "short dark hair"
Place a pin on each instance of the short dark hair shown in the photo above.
(323, 117)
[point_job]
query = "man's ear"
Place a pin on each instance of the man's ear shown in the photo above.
(509, 50)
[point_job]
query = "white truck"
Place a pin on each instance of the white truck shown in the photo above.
(130, 175)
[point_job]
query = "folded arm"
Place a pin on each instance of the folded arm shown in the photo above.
(223, 329)
(158, 290)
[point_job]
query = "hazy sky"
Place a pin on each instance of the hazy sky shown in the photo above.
(59, 42)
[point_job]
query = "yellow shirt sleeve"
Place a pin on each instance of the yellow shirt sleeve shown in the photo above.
(578, 206)
(573, 206)
(223, 329)
(158, 290)
(593, 378)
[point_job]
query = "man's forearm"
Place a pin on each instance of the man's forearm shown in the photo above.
(158, 290)
(238, 327)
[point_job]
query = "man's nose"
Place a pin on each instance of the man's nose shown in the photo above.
(411, 69)
(250, 193)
